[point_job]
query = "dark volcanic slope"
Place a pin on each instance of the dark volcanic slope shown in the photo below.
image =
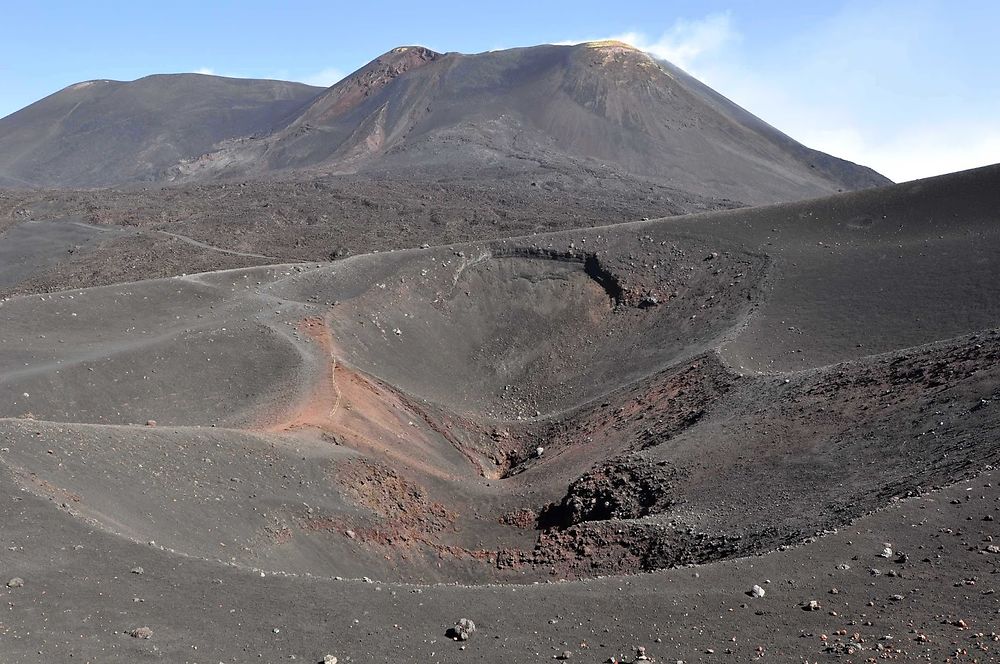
(99, 133)
(599, 401)
(602, 104)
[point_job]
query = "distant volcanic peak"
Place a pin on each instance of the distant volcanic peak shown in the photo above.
(607, 51)
(421, 51)
(368, 80)
(404, 58)
(388, 66)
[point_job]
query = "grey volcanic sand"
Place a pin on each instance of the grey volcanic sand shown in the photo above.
(30, 247)
(80, 597)
(705, 389)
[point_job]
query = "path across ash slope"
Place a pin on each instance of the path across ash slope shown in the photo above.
(210, 247)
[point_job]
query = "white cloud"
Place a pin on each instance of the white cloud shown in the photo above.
(687, 41)
(324, 78)
(912, 152)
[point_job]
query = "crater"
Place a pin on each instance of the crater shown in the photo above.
(500, 413)
(522, 333)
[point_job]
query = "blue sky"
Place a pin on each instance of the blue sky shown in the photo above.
(911, 88)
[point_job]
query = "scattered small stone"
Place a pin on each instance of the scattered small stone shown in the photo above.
(329, 659)
(150, 423)
(993, 548)
(462, 630)
(564, 655)
(895, 598)
(811, 605)
(141, 633)
(757, 591)
(886, 552)
(848, 648)
(16, 582)
(138, 570)
(649, 300)
(539, 451)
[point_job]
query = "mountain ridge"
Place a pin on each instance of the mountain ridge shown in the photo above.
(603, 105)
(103, 132)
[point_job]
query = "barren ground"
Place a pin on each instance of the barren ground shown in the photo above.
(585, 441)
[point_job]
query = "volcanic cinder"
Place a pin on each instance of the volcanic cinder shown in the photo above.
(589, 440)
